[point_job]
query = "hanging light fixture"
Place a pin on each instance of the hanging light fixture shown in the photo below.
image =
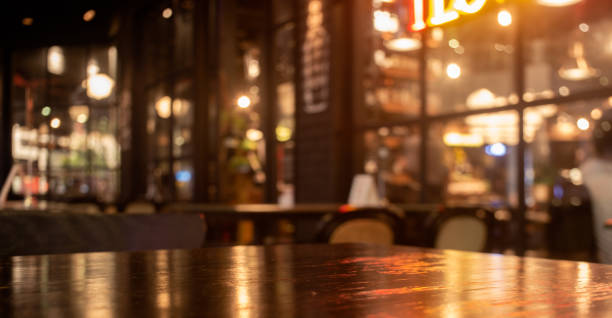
(163, 107)
(385, 21)
(99, 86)
(56, 62)
(578, 69)
(557, 3)
(402, 41)
(403, 44)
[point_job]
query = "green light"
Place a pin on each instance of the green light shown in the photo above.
(46, 111)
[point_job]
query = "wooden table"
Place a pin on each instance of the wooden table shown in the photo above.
(301, 280)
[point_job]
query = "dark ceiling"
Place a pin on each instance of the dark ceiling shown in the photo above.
(60, 22)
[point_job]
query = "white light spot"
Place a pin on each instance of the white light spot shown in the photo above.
(453, 71)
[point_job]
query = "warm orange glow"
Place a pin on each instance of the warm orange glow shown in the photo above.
(439, 14)
(56, 62)
(79, 113)
(254, 134)
(99, 86)
(167, 13)
(454, 139)
(473, 7)
(504, 18)
(27, 21)
(244, 101)
(163, 107)
(403, 44)
(557, 3)
(577, 69)
(385, 21)
(453, 71)
(89, 15)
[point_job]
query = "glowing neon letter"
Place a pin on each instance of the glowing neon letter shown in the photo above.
(465, 7)
(419, 16)
(439, 14)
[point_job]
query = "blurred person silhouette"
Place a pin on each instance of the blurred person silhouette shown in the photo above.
(597, 176)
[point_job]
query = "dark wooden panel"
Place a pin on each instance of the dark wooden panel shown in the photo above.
(302, 280)
(323, 119)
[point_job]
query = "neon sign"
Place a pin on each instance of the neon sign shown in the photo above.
(440, 11)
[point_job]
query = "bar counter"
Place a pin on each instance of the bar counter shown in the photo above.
(301, 281)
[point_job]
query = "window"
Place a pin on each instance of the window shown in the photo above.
(468, 68)
(472, 160)
(168, 60)
(569, 51)
(558, 141)
(65, 123)
(285, 111)
(392, 156)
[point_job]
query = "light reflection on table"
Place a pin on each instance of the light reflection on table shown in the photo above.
(301, 280)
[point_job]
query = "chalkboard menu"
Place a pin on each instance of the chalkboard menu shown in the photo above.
(315, 59)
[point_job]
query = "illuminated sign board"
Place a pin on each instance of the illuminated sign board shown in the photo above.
(440, 11)
(24, 143)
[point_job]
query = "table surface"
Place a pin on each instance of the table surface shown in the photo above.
(301, 280)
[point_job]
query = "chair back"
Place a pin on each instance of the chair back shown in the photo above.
(140, 208)
(462, 232)
(374, 226)
(27, 233)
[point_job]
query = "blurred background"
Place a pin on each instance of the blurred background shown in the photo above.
(450, 105)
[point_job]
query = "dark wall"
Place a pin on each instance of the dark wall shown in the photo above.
(323, 138)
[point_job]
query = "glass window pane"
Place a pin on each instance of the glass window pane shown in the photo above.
(29, 68)
(285, 101)
(65, 121)
(392, 72)
(242, 155)
(568, 52)
(558, 141)
(392, 156)
(160, 181)
(473, 160)
(157, 46)
(102, 143)
(183, 38)
(182, 109)
(559, 144)
(159, 105)
(105, 184)
(468, 68)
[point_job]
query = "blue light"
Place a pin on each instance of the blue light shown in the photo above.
(558, 191)
(496, 150)
(183, 176)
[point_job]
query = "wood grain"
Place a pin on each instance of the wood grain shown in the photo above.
(301, 281)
